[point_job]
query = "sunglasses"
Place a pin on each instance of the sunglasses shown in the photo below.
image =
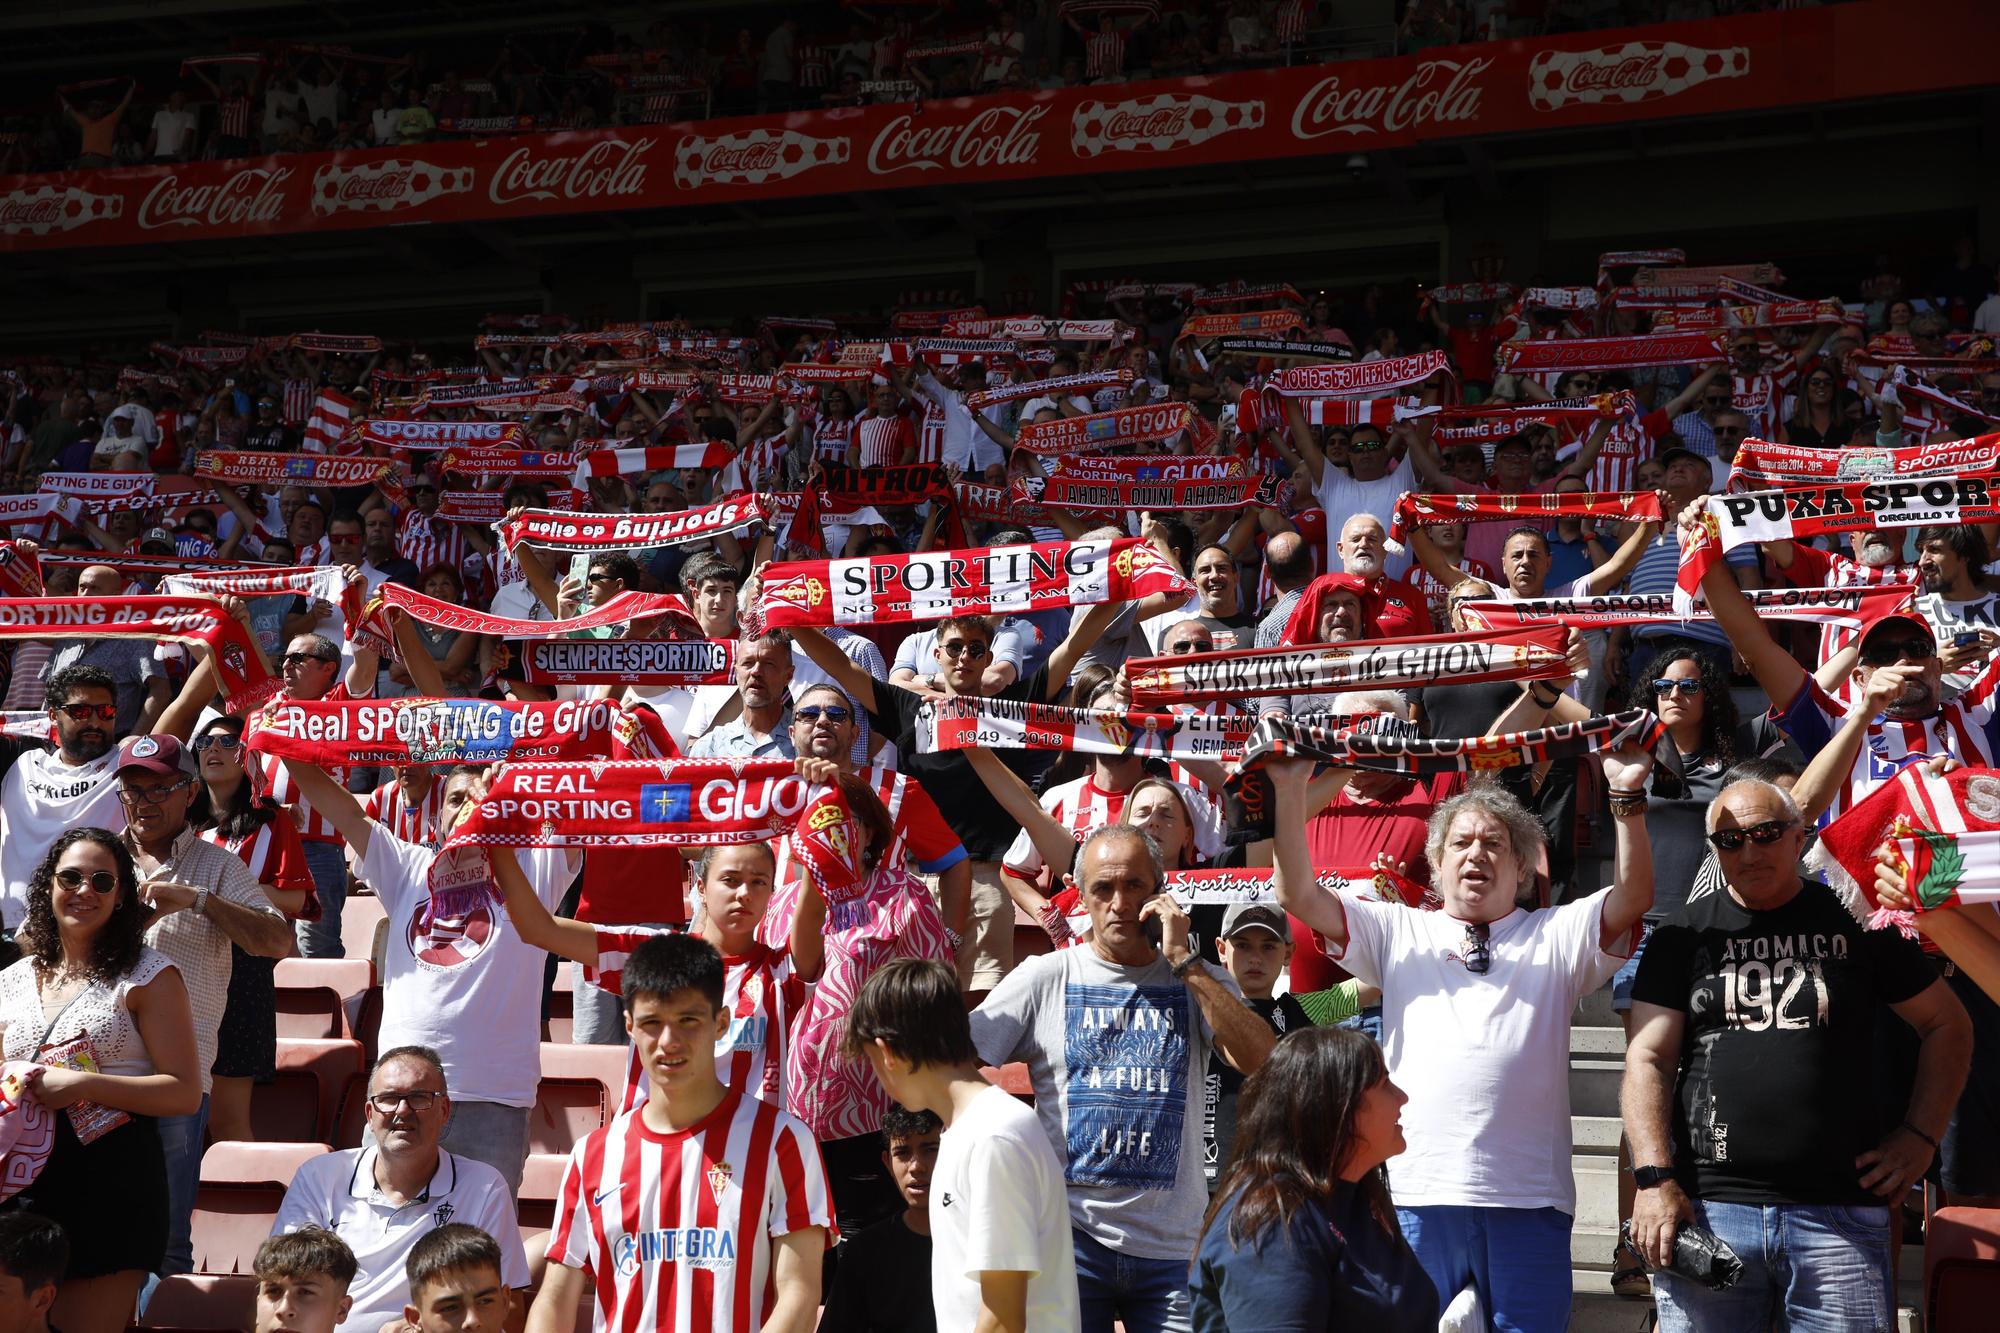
(963, 648)
(217, 742)
(293, 659)
(1478, 950)
(1364, 446)
(101, 881)
(814, 712)
(1887, 654)
(1690, 687)
(1187, 646)
(1764, 834)
(85, 712)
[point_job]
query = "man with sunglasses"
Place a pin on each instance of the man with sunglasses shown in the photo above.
(46, 792)
(1741, 1101)
(204, 899)
(1476, 1005)
(398, 1187)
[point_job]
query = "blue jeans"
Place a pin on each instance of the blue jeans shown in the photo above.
(181, 1142)
(1517, 1257)
(1149, 1295)
(1807, 1268)
(328, 863)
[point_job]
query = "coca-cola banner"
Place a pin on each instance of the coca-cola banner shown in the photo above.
(1869, 48)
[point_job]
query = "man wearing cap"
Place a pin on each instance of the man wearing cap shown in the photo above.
(142, 688)
(1255, 945)
(267, 432)
(204, 899)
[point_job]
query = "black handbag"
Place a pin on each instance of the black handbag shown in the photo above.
(1699, 1255)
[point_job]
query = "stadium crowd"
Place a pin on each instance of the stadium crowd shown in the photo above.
(1377, 685)
(273, 96)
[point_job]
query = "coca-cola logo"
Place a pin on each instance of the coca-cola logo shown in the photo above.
(17, 210)
(1639, 71)
(1165, 122)
(727, 157)
(365, 188)
(999, 136)
(1438, 92)
(253, 195)
(609, 168)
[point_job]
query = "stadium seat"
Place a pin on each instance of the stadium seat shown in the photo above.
(1961, 1269)
(580, 1085)
(562, 1004)
(242, 1185)
(313, 995)
(541, 1181)
(1013, 1078)
(303, 1102)
(363, 926)
(198, 1302)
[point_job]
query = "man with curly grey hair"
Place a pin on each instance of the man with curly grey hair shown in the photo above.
(1476, 1001)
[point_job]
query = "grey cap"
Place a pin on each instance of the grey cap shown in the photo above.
(1243, 916)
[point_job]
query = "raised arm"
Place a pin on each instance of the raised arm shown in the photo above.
(1780, 676)
(334, 801)
(417, 660)
(1296, 886)
(1830, 767)
(1613, 571)
(1303, 443)
(1625, 772)
(1055, 844)
(534, 923)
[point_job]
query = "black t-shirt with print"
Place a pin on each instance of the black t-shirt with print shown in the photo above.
(947, 777)
(1773, 1102)
(1225, 1086)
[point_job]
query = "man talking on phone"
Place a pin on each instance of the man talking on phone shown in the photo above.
(1143, 1015)
(1960, 602)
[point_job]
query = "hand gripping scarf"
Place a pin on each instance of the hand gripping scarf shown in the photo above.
(20, 570)
(634, 803)
(1946, 829)
(1537, 653)
(987, 580)
(1849, 608)
(1762, 463)
(556, 530)
(1414, 510)
(1252, 803)
(453, 731)
(1803, 512)
(264, 469)
(1009, 724)
(244, 678)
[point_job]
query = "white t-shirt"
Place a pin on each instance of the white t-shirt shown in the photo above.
(1484, 1059)
(468, 988)
(1341, 496)
(1986, 319)
(1949, 617)
(41, 798)
(338, 1192)
(998, 1206)
(171, 131)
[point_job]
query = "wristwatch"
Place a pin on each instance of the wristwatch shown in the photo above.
(1646, 1177)
(201, 902)
(1185, 965)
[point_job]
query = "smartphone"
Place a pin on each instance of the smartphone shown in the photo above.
(1150, 927)
(1965, 638)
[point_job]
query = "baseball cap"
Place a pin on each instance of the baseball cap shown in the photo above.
(1247, 916)
(158, 536)
(161, 755)
(1667, 457)
(1901, 620)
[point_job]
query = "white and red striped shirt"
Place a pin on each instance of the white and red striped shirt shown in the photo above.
(274, 855)
(883, 440)
(761, 992)
(1436, 594)
(297, 402)
(423, 543)
(235, 117)
(1967, 729)
(1104, 55)
(1814, 568)
(278, 784)
(930, 439)
(412, 823)
(674, 1229)
(1079, 806)
(832, 436)
(330, 414)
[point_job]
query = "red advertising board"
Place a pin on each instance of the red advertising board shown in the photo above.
(1869, 48)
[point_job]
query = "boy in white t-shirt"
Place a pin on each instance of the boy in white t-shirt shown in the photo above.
(1001, 1255)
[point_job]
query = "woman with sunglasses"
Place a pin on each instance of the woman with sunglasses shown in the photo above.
(87, 980)
(1301, 1233)
(1818, 419)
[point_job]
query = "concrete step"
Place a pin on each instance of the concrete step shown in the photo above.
(1594, 1309)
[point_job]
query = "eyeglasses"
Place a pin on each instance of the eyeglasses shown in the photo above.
(101, 881)
(1764, 834)
(1887, 654)
(293, 659)
(85, 712)
(971, 648)
(386, 1103)
(814, 712)
(1186, 646)
(218, 741)
(1689, 686)
(141, 798)
(1364, 446)
(1478, 950)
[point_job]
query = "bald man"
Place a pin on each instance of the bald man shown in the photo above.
(1288, 562)
(141, 686)
(1362, 548)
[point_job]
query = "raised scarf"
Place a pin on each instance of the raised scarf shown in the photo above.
(1008, 724)
(1762, 463)
(557, 530)
(241, 673)
(1851, 608)
(641, 663)
(1414, 510)
(1020, 390)
(1535, 653)
(1645, 350)
(238, 468)
(634, 803)
(1150, 423)
(412, 433)
(453, 731)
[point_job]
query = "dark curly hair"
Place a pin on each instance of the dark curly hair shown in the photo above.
(1719, 721)
(115, 951)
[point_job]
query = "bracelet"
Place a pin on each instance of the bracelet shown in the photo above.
(953, 938)
(1625, 806)
(1184, 966)
(1534, 692)
(1920, 1134)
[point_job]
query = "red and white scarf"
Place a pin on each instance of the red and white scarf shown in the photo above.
(1151, 423)
(453, 731)
(1098, 492)
(982, 581)
(625, 607)
(644, 663)
(1201, 328)
(20, 570)
(244, 679)
(411, 433)
(1847, 608)
(559, 531)
(1536, 653)
(1354, 379)
(119, 487)
(997, 504)
(1008, 724)
(324, 583)
(1414, 510)
(486, 461)
(1086, 383)
(1762, 463)
(612, 462)
(237, 468)
(20, 510)
(672, 803)
(1960, 807)
(1633, 353)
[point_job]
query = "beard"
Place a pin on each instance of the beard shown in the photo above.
(1918, 699)
(87, 745)
(1876, 553)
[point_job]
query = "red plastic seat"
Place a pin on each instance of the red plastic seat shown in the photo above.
(242, 1185)
(316, 996)
(562, 1004)
(303, 1103)
(1013, 1078)
(200, 1301)
(541, 1185)
(579, 1086)
(1961, 1269)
